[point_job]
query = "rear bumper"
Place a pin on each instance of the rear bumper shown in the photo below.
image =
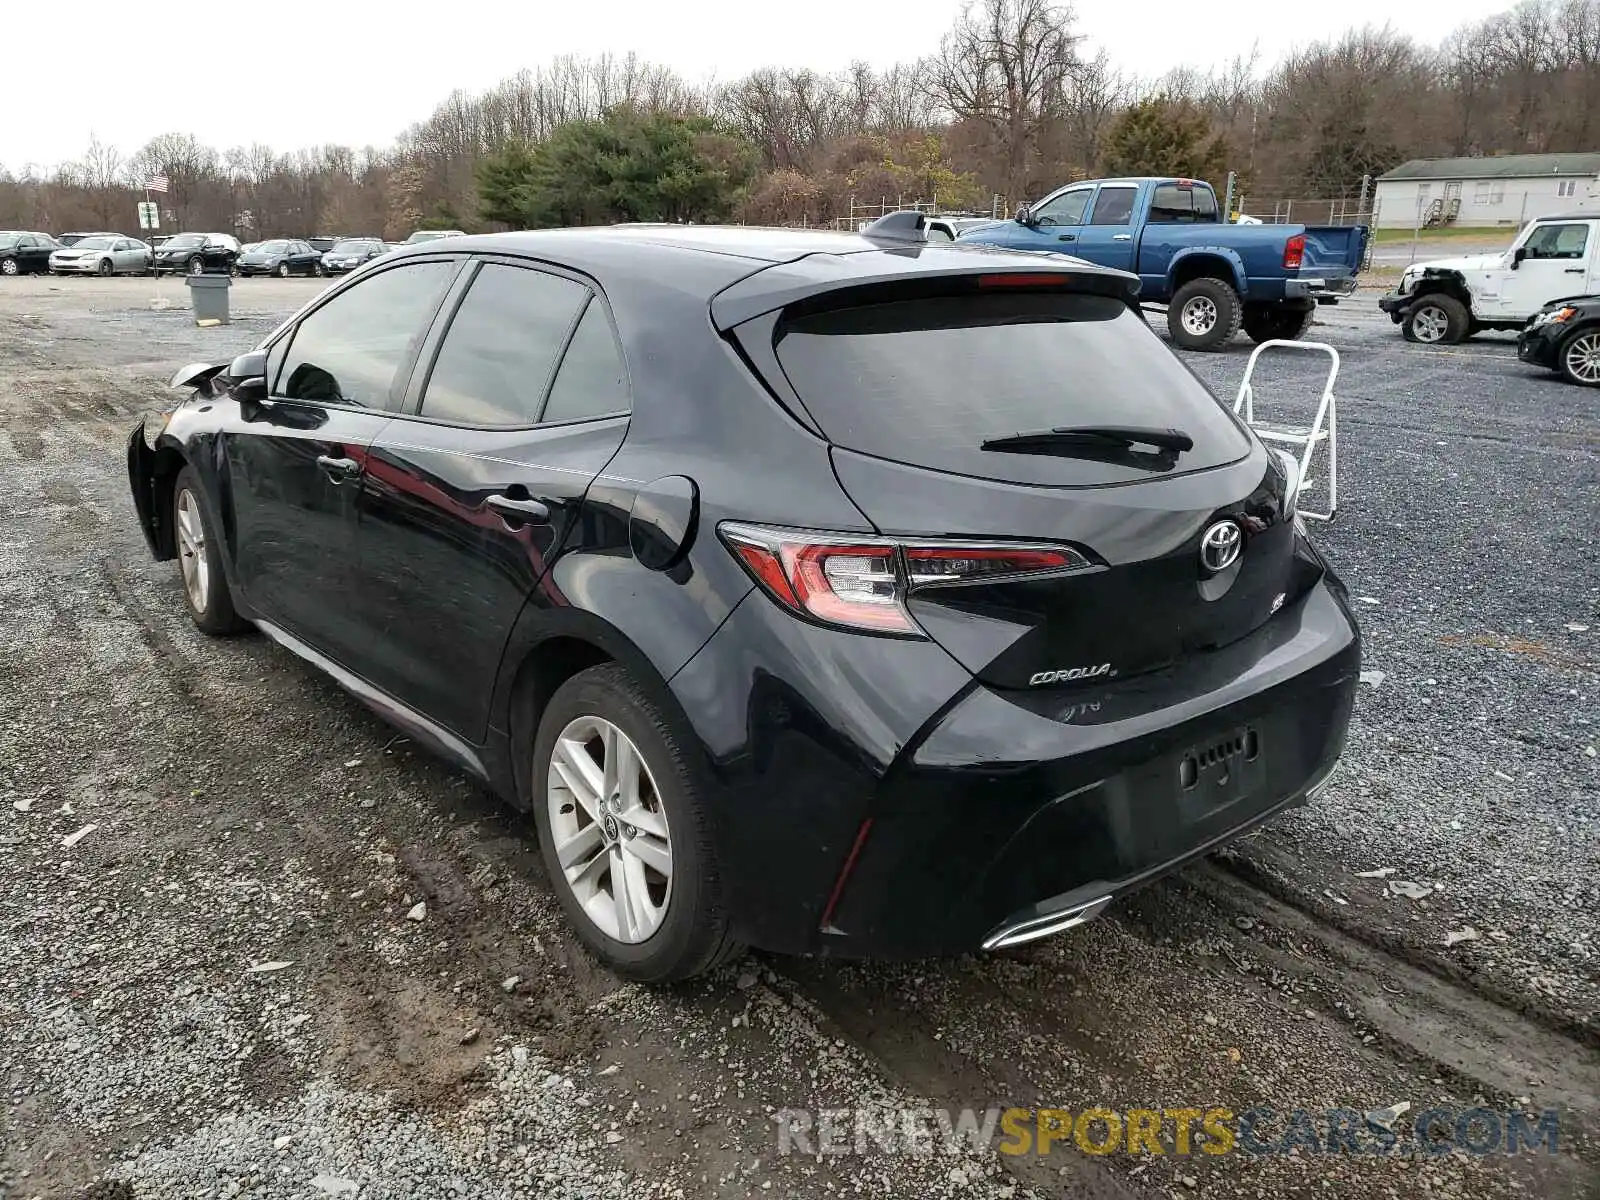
(1319, 287)
(1010, 810)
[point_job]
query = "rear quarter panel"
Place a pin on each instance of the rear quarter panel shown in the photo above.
(1253, 255)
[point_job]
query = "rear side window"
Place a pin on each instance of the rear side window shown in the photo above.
(350, 350)
(1174, 204)
(592, 381)
(1113, 206)
(928, 381)
(497, 356)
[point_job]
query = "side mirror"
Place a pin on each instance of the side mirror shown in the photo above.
(1517, 255)
(1024, 217)
(249, 366)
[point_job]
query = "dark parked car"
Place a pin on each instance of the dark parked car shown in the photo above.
(25, 253)
(1564, 336)
(693, 541)
(352, 253)
(282, 257)
(196, 253)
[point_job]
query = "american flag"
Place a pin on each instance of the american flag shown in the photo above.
(156, 183)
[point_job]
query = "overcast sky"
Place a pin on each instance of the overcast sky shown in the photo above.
(293, 73)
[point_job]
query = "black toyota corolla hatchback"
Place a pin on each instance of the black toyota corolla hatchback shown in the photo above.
(847, 595)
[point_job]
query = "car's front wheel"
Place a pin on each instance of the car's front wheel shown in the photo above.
(624, 832)
(104, 268)
(205, 587)
(283, 270)
(1436, 320)
(197, 265)
(8, 266)
(1580, 358)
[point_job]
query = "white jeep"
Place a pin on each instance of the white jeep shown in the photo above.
(1449, 299)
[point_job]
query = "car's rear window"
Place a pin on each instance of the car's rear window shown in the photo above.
(928, 381)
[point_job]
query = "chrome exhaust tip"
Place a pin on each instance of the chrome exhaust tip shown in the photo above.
(1043, 926)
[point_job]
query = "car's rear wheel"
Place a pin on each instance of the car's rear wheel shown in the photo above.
(316, 269)
(1204, 314)
(205, 587)
(624, 832)
(1264, 323)
(1436, 320)
(1580, 358)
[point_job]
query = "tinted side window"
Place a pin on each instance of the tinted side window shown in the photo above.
(592, 381)
(1173, 204)
(1113, 206)
(350, 350)
(497, 357)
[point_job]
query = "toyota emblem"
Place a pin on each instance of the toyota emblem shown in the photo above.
(1219, 548)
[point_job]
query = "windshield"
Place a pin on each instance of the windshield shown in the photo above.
(275, 247)
(183, 241)
(903, 381)
(351, 247)
(93, 243)
(10, 239)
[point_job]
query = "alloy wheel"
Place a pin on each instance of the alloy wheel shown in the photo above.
(196, 266)
(192, 551)
(8, 266)
(609, 829)
(1199, 316)
(1583, 358)
(1430, 324)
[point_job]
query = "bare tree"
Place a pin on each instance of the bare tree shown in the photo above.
(1006, 65)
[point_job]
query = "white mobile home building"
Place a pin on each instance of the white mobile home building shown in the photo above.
(1503, 190)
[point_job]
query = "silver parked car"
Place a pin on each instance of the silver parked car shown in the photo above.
(102, 254)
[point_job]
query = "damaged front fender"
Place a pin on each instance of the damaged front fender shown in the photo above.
(143, 478)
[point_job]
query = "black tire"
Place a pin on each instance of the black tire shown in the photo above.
(1266, 322)
(1444, 321)
(1204, 295)
(105, 270)
(283, 270)
(10, 266)
(216, 615)
(1581, 346)
(196, 265)
(316, 269)
(695, 935)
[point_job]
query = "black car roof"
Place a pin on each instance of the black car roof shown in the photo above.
(706, 261)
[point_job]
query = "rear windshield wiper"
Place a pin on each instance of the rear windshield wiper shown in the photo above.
(1100, 437)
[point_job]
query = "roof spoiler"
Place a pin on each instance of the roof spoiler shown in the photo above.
(907, 226)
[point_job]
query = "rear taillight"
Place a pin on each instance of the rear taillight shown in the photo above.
(1294, 252)
(862, 582)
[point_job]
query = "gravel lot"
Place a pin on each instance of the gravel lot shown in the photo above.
(211, 983)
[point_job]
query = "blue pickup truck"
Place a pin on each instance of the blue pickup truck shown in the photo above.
(1211, 275)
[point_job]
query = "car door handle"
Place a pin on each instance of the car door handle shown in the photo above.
(1572, 271)
(531, 511)
(343, 467)
(1067, 237)
(1122, 237)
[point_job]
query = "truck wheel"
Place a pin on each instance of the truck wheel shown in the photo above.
(1436, 320)
(1263, 323)
(1204, 314)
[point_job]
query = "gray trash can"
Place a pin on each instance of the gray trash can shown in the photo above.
(208, 295)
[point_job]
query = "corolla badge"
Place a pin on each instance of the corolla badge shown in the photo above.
(1220, 547)
(1070, 673)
